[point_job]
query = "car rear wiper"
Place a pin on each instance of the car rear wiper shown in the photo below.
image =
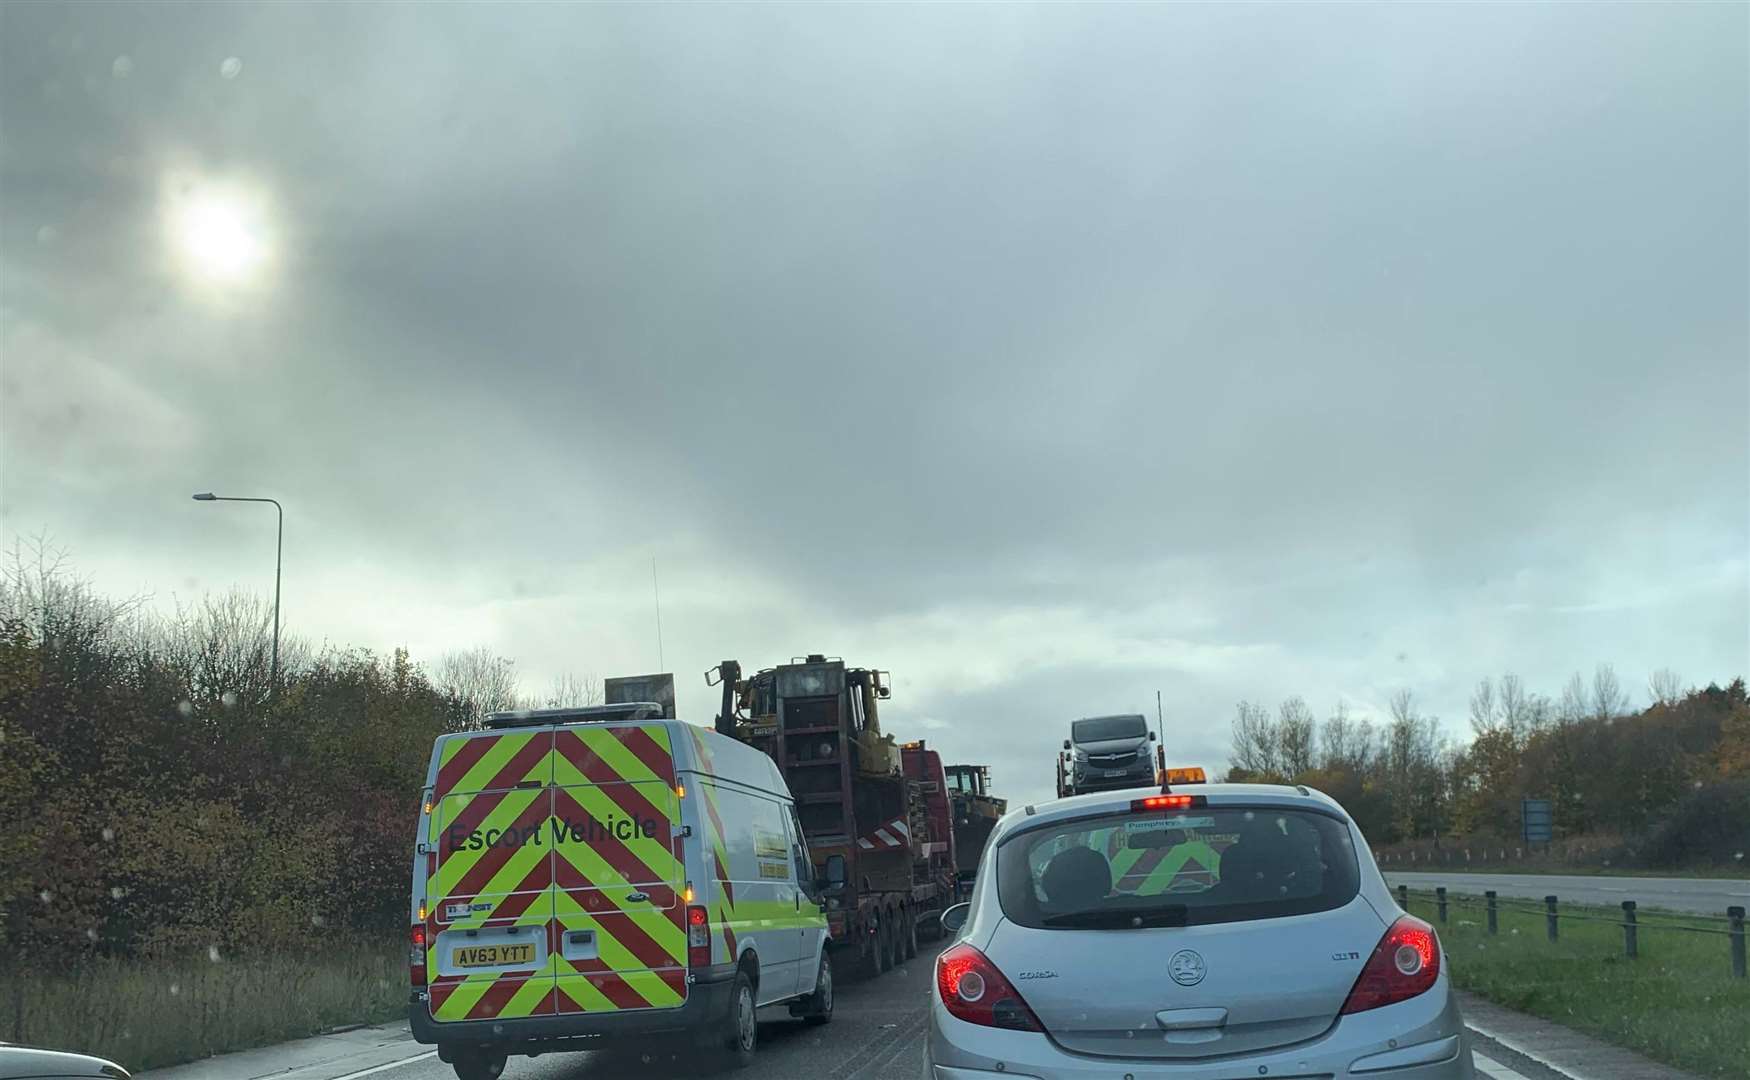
(1119, 918)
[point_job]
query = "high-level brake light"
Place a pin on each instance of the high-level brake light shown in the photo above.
(1164, 802)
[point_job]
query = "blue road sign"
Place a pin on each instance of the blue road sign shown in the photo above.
(1537, 820)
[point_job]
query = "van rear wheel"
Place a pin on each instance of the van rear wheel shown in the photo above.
(477, 1064)
(742, 1037)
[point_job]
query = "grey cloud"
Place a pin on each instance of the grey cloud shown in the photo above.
(1322, 323)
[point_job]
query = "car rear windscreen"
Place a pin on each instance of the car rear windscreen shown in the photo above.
(1100, 728)
(1176, 868)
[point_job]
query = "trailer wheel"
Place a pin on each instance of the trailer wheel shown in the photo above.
(910, 935)
(895, 939)
(875, 950)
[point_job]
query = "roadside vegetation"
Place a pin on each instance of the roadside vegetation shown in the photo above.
(1660, 789)
(204, 861)
(148, 1013)
(1676, 1002)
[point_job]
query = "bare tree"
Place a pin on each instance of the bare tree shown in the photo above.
(1255, 747)
(479, 681)
(1484, 716)
(570, 691)
(1664, 687)
(1573, 705)
(1337, 740)
(1296, 737)
(1608, 699)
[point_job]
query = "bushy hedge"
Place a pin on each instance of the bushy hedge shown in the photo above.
(158, 799)
(1709, 827)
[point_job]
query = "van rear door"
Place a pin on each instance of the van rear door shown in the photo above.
(489, 876)
(620, 936)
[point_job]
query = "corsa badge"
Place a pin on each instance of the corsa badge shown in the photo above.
(1186, 968)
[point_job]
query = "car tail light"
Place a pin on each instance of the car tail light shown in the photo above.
(1404, 963)
(698, 937)
(972, 989)
(416, 956)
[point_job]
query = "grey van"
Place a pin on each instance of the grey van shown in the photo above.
(1108, 752)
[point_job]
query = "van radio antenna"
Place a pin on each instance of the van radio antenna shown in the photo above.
(657, 593)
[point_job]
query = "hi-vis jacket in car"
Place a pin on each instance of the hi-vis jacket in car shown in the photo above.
(578, 873)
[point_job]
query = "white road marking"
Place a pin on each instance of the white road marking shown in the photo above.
(373, 1070)
(1488, 1066)
(1520, 1048)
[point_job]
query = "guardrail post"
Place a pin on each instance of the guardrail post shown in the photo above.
(1735, 914)
(1631, 945)
(1404, 897)
(1490, 895)
(1549, 903)
(1440, 900)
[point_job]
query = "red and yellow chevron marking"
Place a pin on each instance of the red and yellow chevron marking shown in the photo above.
(722, 907)
(594, 822)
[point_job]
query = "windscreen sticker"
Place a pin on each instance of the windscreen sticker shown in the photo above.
(1156, 824)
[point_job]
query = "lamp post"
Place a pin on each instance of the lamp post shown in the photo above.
(273, 678)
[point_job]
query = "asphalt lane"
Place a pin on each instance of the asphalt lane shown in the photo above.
(1704, 896)
(877, 1033)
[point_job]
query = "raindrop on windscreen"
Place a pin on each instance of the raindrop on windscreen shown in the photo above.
(91, 934)
(213, 953)
(46, 896)
(108, 833)
(175, 989)
(316, 920)
(122, 68)
(228, 699)
(185, 707)
(47, 235)
(116, 892)
(230, 68)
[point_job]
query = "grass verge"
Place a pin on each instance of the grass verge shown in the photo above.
(148, 1015)
(1711, 873)
(1676, 1003)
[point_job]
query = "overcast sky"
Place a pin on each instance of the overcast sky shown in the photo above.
(1047, 356)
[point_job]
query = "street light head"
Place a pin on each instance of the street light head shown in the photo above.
(205, 496)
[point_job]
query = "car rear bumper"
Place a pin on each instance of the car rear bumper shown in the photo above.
(706, 1007)
(1354, 1049)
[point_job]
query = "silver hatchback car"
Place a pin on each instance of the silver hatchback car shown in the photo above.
(1217, 932)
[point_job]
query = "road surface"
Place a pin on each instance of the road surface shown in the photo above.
(877, 1033)
(1704, 896)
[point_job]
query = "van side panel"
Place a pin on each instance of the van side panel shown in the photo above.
(757, 881)
(489, 877)
(619, 937)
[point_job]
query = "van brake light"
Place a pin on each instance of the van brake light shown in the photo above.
(416, 956)
(698, 937)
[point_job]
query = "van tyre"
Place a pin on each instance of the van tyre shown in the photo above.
(476, 1064)
(743, 1036)
(817, 1007)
